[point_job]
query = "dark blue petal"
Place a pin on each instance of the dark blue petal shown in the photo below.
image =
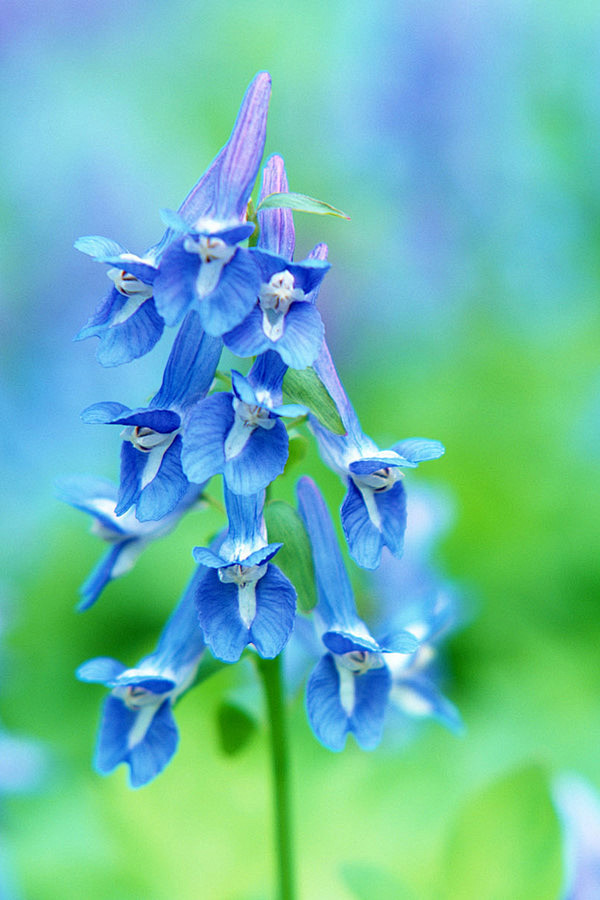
(206, 428)
(234, 295)
(175, 285)
(365, 541)
(145, 272)
(276, 225)
(206, 557)
(245, 516)
(242, 389)
(218, 614)
(191, 366)
(340, 642)
(260, 462)
(107, 309)
(275, 613)
(267, 373)
(104, 413)
(234, 235)
(248, 338)
(419, 449)
(156, 684)
(133, 463)
(224, 189)
(131, 339)
(166, 489)
(162, 420)
(392, 509)
(117, 722)
(336, 598)
(148, 758)
(259, 557)
(326, 716)
(102, 669)
(300, 343)
(367, 465)
(372, 692)
(100, 575)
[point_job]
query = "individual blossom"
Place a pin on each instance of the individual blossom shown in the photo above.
(349, 689)
(242, 598)
(204, 266)
(578, 805)
(126, 535)
(152, 479)
(284, 318)
(374, 509)
(138, 727)
(240, 434)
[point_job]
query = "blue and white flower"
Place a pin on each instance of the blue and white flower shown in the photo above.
(126, 535)
(204, 266)
(243, 599)
(241, 434)
(138, 727)
(374, 509)
(348, 691)
(578, 805)
(152, 479)
(285, 318)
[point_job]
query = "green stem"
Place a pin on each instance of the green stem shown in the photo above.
(270, 672)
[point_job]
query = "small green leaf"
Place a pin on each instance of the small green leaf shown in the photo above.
(506, 842)
(367, 882)
(300, 203)
(221, 381)
(235, 726)
(298, 448)
(304, 386)
(295, 557)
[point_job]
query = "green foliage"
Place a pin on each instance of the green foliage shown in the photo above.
(300, 203)
(506, 842)
(235, 726)
(295, 557)
(367, 882)
(304, 386)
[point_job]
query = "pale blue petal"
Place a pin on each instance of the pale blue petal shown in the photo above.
(248, 338)
(260, 462)
(365, 541)
(275, 613)
(302, 337)
(101, 670)
(166, 489)
(191, 366)
(104, 413)
(419, 449)
(218, 613)
(133, 338)
(245, 517)
(233, 297)
(326, 716)
(336, 599)
(148, 758)
(175, 285)
(372, 692)
(206, 557)
(276, 225)
(98, 247)
(206, 428)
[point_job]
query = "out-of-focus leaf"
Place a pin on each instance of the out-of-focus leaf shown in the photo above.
(236, 727)
(300, 203)
(295, 557)
(506, 843)
(367, 882)
(298, 448)
(304, 386)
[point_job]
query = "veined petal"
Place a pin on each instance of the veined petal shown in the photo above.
(164, 421)
(99, 248)
(246, 532)
(392, 511)
(326, 716)
(302, 337)
(104, 413)
(233, 297)
(260, 462)
(133, 464)
(340, 642)
(336, 599)
(368, 465)
(167, 488)
(276, 225)
(191, 366)
(418, 450)
(149, 757)
(132, 338)
(248, 338)
(222, 193)
(101, 670)
(175, 284)
(372, 692)
(206, 428)
(219, 617)
(275, 613)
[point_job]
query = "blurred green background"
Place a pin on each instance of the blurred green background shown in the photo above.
(462, 305)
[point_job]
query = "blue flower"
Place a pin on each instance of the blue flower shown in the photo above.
(374, 509)
(203, 265)
(243, 598)
(285, 318)
(125, 534)
(152, 479)
(240, 434)
(578, 806)
(137, 725)
(348, 691)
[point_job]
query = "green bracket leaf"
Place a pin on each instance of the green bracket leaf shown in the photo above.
(295, 557)
(300, 203)
(304, 386)
(236, 728)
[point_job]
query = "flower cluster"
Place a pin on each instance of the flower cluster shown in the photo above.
(224, 275)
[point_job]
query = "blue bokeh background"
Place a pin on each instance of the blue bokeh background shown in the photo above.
(462, 305)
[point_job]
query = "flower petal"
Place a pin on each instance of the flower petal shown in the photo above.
(206, 428)
(260, 462)
(233, 297)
